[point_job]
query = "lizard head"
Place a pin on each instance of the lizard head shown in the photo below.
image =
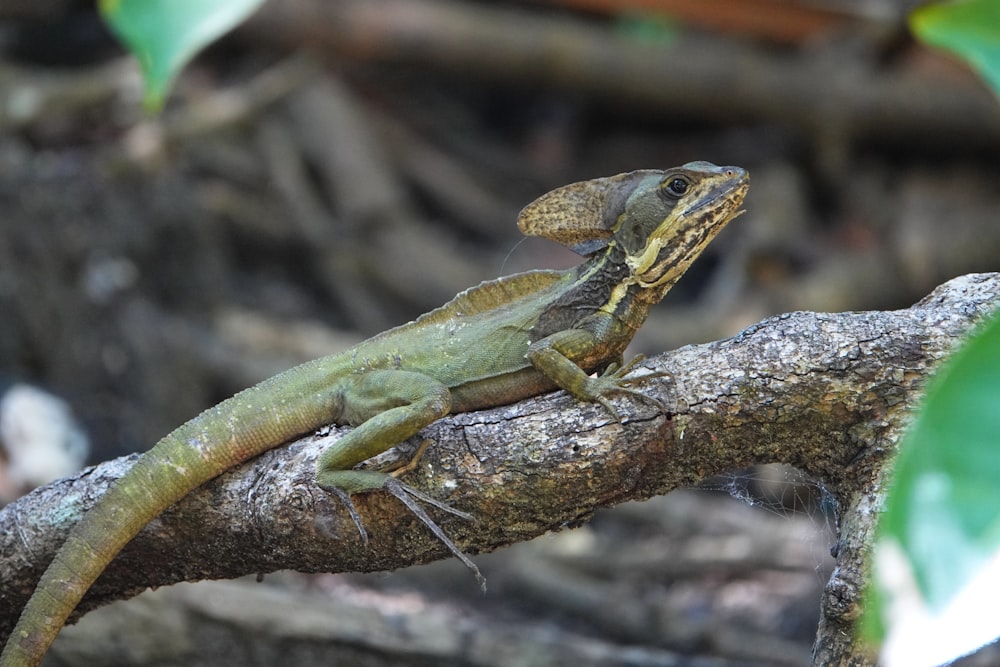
(668, 220)
(661, 219)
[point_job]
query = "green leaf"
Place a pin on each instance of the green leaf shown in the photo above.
(945, 505)
(166, 34)
(968, 28)
(941, 528)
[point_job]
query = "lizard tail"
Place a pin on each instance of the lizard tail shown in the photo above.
(234, 431)
(129, 504)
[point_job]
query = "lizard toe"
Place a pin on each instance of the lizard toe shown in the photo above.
(406, 494)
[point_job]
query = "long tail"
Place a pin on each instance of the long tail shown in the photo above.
(234, 431)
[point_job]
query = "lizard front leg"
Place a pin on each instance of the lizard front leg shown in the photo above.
(554, 357)
(386, 407)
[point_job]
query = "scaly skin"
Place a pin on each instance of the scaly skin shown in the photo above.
(497, 343)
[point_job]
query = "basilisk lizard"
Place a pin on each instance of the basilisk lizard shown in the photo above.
(503, 341)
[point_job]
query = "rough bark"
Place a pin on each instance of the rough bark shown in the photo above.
(827, 393)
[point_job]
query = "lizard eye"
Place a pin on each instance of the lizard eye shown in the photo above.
(677, 187)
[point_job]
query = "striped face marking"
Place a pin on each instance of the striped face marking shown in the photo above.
(667, 221)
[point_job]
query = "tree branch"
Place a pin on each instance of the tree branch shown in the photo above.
(828, 393)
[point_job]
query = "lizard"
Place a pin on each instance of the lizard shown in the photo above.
(494, 344)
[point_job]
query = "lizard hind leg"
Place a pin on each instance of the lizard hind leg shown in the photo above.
(388, 406)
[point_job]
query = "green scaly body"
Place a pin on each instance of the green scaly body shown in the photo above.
(497, 343)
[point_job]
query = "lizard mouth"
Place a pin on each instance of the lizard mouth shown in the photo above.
(725, 192)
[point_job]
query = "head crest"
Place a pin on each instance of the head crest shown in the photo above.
(581, 215)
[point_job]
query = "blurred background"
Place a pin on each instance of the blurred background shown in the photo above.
(334, 168)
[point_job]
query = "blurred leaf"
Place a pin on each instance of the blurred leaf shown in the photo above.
(941, 528)
(969, 28)
(945, 506)
(648, 28)
(165, 34)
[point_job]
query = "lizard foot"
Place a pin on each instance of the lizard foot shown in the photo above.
(408, 496)
(613, 380)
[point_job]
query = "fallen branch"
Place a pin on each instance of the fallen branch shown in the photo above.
(708, 79)
(828, 393)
